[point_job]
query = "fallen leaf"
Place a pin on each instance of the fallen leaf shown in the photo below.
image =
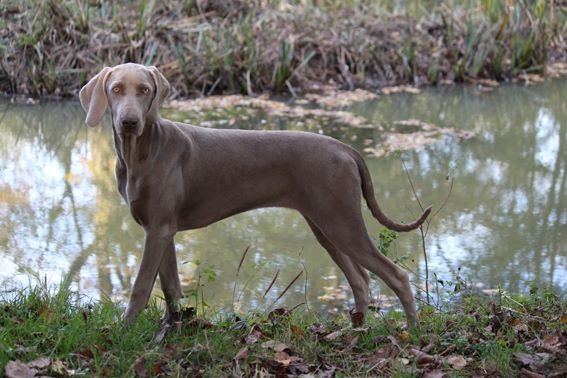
(254, 335)
(552, 343)
(422, 358)
(357, 319)
(457, 362)
(299, 368)
(530, 374)
(40, 363)
(282, 357)
(435, 373)
(386, 352)
(318, 329)
(296, 330)
(242, 354)
(325, 371)
(531, 360)
(433, 339)
(350, 345)
(520, 327)
(59, 368)
(157, 368)
(277, 313)
(275, 345)
(160, 335)
(139, 367)
(86, 353)
(333, 336)
(17, 369)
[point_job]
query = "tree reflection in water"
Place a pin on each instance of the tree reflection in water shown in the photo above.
(505, 224)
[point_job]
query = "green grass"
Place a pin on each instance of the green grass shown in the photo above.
(483, 335)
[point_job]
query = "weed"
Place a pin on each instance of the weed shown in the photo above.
(68, 335)
(51, 47)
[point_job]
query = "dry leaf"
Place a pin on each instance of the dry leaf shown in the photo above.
(457, 362)
(275, 345)
(242, 354)
(139, 367)
(17, 369)
(521, 327)
(40, 363)
(435, 373)
(296, 330)
(59, 368)
(282, 357)
(533, 361)
(333, 336)
(422, 358)
(254, 335)
(318, 329)
(357, 319)
(433, 339)
(350, 345)
(552, 343)
(530, 374)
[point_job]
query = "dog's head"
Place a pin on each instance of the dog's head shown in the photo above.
(133, 92)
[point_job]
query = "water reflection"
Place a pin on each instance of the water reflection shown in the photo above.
(505, 223)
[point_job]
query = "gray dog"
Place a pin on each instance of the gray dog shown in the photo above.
(177, 177)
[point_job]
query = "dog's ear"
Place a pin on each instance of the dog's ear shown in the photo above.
(93, 97)
(162, 90)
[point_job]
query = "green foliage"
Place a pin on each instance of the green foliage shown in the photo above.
(195, 295)
(385, 239)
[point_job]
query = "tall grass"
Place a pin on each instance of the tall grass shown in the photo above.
(52, 47)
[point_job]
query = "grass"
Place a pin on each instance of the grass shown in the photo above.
(51, 47)
(55, 333)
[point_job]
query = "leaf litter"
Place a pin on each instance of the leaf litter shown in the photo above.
(278, 346)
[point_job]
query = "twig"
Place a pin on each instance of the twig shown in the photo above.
(271, 283)
(286, 289)
(237, 273)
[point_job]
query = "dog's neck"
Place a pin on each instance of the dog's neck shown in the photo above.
(132, 149)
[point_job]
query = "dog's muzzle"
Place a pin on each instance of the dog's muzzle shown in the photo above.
(130, 125)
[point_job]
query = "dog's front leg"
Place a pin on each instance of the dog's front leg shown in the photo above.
(154, 251)
(169, 280)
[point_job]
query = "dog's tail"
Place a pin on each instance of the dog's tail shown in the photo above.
(368, 193)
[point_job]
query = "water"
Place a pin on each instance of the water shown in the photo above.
(504, 224)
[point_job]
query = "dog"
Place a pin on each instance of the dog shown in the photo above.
(177, 177)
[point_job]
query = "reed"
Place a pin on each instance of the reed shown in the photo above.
(50, 47)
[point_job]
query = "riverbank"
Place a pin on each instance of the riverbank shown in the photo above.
(50, 48)
(53, 333)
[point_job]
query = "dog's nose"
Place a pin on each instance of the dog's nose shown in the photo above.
(129, 123)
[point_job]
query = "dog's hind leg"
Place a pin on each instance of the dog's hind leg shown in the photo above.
(355, 274)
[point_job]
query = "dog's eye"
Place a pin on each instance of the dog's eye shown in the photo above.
(116, 89)
(145, 90)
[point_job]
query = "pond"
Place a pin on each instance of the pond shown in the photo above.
(504, 224)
